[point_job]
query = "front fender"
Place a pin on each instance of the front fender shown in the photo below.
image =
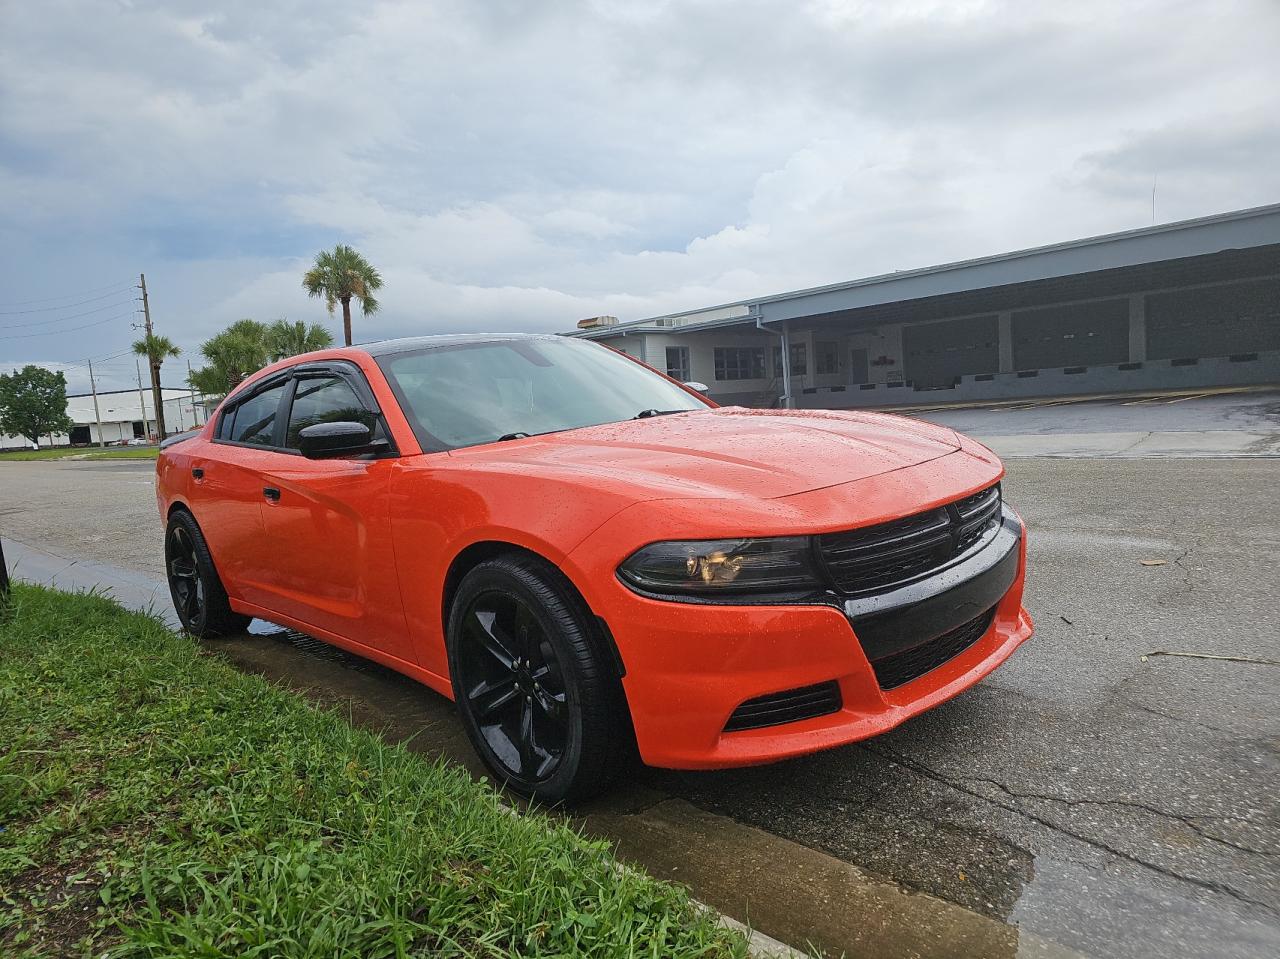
(439, 508)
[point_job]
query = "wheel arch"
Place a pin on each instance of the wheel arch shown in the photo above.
(178, 506)
(476, 553)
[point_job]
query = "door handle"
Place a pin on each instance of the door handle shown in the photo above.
(271, 493)
(197, 472)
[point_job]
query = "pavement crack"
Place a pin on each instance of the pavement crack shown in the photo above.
(1171, 716)
(1188, 583)
(1138, 442)
(1013, 807)
(1187, 819)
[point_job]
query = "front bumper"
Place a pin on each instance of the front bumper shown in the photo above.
(689, 666)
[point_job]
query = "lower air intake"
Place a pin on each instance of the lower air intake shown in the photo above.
(786, 707)
(902, 667)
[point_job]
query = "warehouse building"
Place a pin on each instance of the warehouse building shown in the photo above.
(125, 415)
(1178, 305)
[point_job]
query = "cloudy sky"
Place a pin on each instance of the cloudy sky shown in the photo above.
(519, 165)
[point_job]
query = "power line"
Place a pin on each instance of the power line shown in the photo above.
(64, 306)
(104, 361)
(67, 296)
(23, 336)
(60, 319)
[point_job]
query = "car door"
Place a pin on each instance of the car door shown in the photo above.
(227, 483)
(326, 521)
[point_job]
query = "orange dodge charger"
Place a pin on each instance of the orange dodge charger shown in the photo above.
(591, 558)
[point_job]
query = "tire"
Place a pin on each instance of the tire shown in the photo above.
(198, 595)
(534, 683)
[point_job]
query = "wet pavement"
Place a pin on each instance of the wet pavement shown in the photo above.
(1232, 409)
(1088, 793)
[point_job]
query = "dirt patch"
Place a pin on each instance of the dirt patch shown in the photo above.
(68, 894)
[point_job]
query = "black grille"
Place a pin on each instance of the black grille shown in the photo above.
(902, 667)
(787, 707)
(875, 557)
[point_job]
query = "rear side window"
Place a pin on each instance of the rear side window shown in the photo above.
(255, 418)
(327, 399)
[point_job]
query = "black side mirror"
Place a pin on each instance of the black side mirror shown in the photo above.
(326, 441)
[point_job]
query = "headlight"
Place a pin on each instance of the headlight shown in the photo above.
(700, 567)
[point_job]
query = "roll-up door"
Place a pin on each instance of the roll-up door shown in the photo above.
(938, 354)
(1078, 334)
(1214, 320)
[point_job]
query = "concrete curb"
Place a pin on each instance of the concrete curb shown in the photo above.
(799, 893)
(758, 944)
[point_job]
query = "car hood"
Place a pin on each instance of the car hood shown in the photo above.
(725, 452)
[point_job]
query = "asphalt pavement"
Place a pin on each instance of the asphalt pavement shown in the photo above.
(1230, 408)
(1111, 788)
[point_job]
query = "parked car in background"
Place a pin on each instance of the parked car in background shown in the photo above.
(592, 558)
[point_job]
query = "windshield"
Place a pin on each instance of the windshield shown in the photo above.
(470, 393)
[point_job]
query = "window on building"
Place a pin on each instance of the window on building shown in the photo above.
(255, 418)
(678, 363)
(827, 357)
(324, 400)
(739, 362)
(799, 360)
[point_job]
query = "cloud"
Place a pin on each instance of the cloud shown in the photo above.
(518, 166)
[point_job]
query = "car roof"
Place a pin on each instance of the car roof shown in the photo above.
(409, 343)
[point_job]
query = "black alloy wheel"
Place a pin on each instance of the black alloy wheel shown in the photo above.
(514, 686)
(198, 595)
(540, 702)
(184, 576)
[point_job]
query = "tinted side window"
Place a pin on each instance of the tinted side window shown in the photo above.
(325, 400)
(255, 418)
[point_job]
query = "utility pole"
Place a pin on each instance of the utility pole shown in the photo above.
(97, 413)
(156, 399)
(191, 389)
(141, 398)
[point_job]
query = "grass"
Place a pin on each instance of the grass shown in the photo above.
(89, 453)
(155, 802)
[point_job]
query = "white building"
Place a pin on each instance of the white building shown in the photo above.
(125, 415)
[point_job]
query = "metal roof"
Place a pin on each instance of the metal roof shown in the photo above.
(1238, 229)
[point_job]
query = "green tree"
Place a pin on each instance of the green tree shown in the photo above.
(289, 338)
(240, 349)
(339, 276)
(156, 349)
(33, 403)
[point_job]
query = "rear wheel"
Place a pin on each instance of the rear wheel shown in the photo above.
(538, 698)
(198, 595)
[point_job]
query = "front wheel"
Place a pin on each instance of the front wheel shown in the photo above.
(538, 698)
(198, 595)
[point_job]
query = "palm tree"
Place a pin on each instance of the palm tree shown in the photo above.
(339, 276)
(233, 354)
(285, 338)
(156, 349)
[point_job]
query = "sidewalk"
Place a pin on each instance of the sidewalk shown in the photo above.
(1137, 444)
